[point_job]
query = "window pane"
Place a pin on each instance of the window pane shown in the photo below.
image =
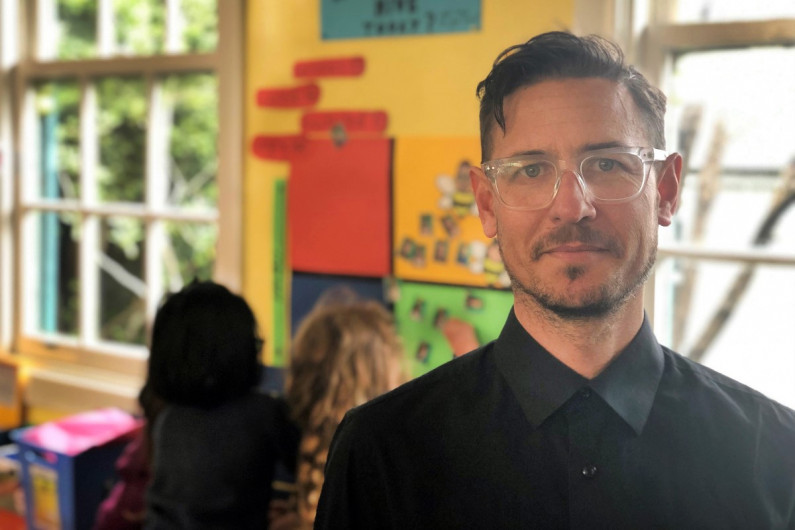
(189, 254)
(122, 290)
(732, 10)
(201, 25)
(75, 33)
(57, 132)
(140, 26)
(748, 338)
(122, 139)
(750, 92)
(189, 104)
(51, 252)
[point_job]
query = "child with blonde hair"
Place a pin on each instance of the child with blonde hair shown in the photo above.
(345, 352)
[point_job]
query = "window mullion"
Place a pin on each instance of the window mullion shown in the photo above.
(106, 29)
(28, 259)
(8, 57)
(45, 16)
(230, 69)
(156, 186)
(175, 26)
(89, 242)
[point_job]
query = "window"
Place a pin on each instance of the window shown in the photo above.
(128, 134)
(725, 279)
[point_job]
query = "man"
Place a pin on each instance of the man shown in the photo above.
(575, 417)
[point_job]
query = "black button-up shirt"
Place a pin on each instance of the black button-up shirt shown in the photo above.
(509, 437)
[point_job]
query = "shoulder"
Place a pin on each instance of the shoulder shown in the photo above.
(700, 385)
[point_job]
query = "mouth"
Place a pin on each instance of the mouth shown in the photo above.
(573, 248)
(575, 243)
(574, 252)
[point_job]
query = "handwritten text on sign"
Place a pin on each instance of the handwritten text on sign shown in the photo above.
(350, 19)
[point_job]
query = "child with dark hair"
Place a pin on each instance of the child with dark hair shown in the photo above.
(214, 441)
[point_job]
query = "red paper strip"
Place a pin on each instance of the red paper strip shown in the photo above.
(344, 67)
(292, 97)
(277, 147)
(353, 121)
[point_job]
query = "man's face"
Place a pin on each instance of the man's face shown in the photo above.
(576, 257)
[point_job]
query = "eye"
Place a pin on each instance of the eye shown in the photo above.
(532, 170)
(606, 164)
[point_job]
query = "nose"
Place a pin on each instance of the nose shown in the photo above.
(572, 203)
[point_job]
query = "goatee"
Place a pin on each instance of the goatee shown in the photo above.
(601, 301)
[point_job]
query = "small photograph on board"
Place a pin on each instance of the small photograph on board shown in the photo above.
(450, 226)
(473, 303)
(407, 248)
(426, 224)
(418, 259)
(423, 352)
(462, 256)
(440, 250)
(440, 317)
(418, 309)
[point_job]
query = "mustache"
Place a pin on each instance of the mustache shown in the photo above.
(575, 234)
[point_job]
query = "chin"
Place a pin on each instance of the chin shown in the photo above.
(585, 311)
(579, 302)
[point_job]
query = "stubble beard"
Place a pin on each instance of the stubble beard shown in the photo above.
(602, 301)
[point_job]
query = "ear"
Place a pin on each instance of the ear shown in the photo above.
(485, 199)
(668, 189)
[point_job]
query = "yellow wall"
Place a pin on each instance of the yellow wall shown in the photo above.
(426, 84)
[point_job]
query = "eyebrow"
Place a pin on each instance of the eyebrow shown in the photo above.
(585, 149)
(602, 145)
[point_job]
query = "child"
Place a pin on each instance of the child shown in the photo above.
(213, 440)
(344, 354)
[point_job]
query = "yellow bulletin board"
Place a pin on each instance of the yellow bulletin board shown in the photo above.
(437, 233)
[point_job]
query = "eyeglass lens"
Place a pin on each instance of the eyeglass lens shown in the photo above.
(528, 182)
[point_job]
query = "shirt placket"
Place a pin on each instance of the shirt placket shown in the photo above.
(586, 469)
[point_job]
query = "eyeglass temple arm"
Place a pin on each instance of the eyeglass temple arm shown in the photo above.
(658, 155)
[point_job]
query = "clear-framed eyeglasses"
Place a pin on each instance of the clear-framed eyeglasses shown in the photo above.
(613, 175)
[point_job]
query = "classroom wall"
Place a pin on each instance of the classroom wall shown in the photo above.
(424, 83)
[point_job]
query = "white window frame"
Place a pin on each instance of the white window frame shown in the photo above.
(19, 67)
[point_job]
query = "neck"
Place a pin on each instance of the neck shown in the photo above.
(586, 345)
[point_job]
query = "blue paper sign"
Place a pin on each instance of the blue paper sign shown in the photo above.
(351, 19)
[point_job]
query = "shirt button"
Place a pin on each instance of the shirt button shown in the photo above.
(585, 392)
(589, 471)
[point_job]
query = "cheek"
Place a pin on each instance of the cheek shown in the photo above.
(515, 232)
(642, 229)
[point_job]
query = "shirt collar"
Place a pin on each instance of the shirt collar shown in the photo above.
(542, 383)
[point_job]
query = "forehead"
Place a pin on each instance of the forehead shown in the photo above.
(565, 116)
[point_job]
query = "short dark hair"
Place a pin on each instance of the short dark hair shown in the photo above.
(205, 347)
(561, 55)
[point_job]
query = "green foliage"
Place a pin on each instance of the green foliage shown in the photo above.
(196, 240)
(193, 99)
(140, 26)
(201, 31)
(191, 104)
(78, 27)
(122, 139)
